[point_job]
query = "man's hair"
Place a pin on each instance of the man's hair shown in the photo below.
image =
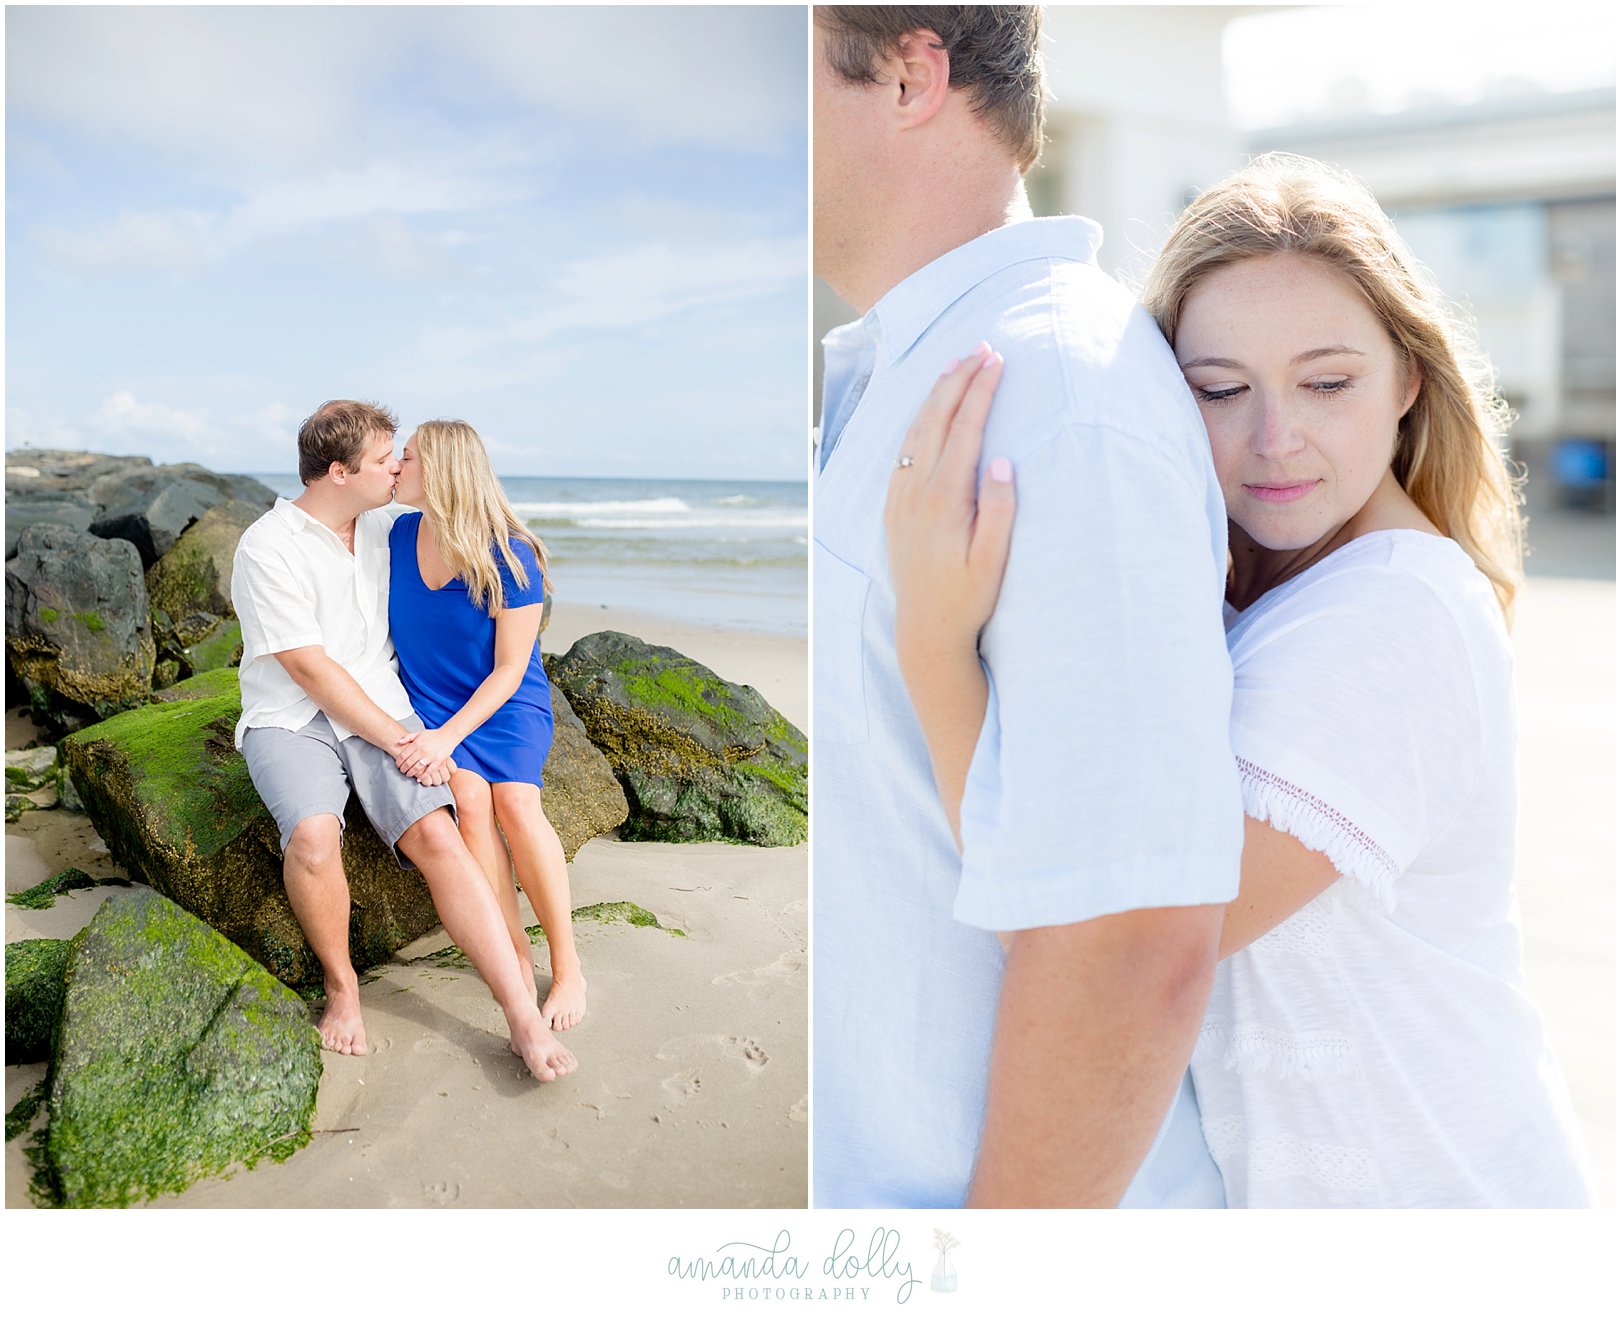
(995, 54)
(337, 431)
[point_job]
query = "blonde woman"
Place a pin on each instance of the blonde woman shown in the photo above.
(467, 584)
(1368, 1040)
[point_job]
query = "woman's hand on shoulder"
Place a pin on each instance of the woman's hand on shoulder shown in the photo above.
(947, 548)
(426, 756)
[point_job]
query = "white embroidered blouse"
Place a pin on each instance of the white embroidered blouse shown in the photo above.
(1377, 1048)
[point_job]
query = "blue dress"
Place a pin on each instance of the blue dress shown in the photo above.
(446, 646)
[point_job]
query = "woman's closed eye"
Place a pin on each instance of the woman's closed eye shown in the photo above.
(1216, 393)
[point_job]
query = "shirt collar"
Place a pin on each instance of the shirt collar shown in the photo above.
(907, 310)
(300, 520)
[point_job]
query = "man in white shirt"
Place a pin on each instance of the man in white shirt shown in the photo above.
(323, 712)
(1101, 822)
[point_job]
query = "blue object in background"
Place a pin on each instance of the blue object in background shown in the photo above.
(1580, 463)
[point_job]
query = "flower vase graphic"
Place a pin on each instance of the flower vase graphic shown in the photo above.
(944, 1277)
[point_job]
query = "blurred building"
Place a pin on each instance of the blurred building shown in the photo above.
(1511, 204)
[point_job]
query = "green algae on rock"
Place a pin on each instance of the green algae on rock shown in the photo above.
(177, 1058)
(171, 797)
(454, 958)
(195, 575)
(42, 896)
(700, 758)
(22, 1113)
(34, 973)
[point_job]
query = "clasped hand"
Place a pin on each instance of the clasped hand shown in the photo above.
(947, 550)
(425, 756)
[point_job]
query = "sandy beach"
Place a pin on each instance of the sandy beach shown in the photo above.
(692, 1088)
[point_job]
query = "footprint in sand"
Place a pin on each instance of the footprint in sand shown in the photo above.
(441, 1194)
(754, 1056)
(683, 1085)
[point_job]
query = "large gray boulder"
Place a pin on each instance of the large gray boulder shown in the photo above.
(127, 497)
(170, 795)
(73, 511)
(78, 634)
(700, 758)
(151, 509)
(176, 1057)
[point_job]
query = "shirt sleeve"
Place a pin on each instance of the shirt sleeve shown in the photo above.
(1356, 724)
(1103, 781)
(533, 591)
(272, 602)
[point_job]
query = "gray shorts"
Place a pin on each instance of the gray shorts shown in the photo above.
(309, 772)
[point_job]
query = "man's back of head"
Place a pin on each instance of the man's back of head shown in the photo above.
(994, 54)
(925, 119)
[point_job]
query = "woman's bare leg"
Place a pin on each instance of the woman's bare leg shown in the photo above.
(538, 857)
(475, 817)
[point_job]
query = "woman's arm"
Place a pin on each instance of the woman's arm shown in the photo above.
(515, 634)
(946, 556)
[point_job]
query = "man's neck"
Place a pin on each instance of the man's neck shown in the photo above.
(334, 513)
(959, 204)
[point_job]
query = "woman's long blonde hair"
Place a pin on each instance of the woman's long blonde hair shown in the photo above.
(1449, 454)
(468, 512)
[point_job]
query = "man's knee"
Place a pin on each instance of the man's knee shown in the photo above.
(315, 842)
(431, 834)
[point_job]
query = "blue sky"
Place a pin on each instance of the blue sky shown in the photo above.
(581, 229)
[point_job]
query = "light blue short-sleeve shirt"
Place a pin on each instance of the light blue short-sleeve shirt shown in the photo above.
(1102, 781)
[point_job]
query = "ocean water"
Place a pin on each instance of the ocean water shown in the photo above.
(725, 553)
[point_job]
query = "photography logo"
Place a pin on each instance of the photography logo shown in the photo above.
(944, 1276)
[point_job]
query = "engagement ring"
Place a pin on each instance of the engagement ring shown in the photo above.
(905, 460)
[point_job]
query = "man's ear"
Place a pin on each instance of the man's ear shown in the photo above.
(920, 75)
(339, 473)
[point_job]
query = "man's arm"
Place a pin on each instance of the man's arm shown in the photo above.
(337, 695)
(1096, 1023)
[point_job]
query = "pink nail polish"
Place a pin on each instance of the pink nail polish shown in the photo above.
(1001, 470)
(951, 365)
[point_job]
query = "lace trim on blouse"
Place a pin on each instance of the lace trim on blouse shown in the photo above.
(1320, 827)
(1261, 1050)
(1334, 1166)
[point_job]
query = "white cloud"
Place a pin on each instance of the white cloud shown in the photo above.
(122, 414)
(186, 239)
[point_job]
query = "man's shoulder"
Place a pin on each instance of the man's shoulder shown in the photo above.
(269, 531)
(1084, 353)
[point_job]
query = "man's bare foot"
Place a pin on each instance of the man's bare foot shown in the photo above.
(564, 1007)
(341, 1028)
(542, 1053)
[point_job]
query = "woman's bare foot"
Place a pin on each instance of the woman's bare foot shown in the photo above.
(541, 1051)
(564, 1007)
(341, 1028)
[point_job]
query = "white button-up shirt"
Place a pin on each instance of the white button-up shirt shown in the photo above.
(293, 583)
(1102, 781)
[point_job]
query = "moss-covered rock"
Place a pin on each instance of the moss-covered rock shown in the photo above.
(582, 798)
(42, 896)
(170, 795)
(176, 1058)
(34, 976)
(700, 758)
(195, 575)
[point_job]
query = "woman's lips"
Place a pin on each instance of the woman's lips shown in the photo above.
(1283, 493)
